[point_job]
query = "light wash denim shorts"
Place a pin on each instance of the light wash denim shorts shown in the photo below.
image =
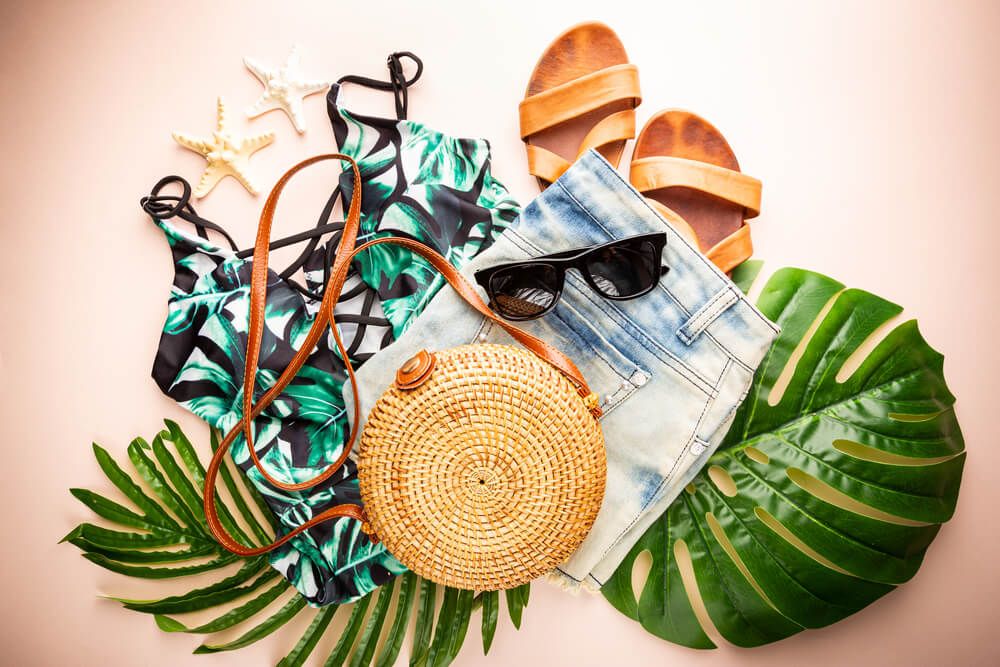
(671, 367)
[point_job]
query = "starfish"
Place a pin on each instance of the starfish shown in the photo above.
(284, 89)
(227, 154)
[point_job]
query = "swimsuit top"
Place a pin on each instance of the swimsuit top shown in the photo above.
(417, 183)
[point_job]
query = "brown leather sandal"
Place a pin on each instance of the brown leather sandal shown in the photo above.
(685, 167)
(582, 94)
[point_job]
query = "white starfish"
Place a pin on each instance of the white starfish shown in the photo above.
(284, 89)
(227, 154)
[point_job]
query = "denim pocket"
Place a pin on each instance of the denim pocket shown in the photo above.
(611, 371)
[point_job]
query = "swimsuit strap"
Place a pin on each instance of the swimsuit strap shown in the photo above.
(164, 207)
(397, 83)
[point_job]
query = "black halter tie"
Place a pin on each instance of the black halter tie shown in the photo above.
(397, 83)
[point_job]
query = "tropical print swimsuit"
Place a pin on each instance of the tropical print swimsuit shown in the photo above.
(417, 183)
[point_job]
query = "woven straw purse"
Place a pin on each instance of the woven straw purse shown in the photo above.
(481, 467)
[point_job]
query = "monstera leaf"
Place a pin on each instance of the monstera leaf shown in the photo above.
(163, 535)
(832, 481)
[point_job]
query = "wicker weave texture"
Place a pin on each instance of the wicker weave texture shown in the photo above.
(486, 476)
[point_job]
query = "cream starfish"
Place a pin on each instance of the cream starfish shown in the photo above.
(227, 154)
(284, 89)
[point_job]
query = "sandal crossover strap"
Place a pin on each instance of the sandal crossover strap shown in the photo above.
(573, 99)
(653, 173)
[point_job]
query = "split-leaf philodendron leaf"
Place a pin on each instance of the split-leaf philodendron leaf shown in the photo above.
(832, 481)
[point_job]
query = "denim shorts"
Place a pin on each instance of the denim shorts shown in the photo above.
(670, 367)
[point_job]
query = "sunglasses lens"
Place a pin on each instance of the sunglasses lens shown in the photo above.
(523, 292)
(625, 269)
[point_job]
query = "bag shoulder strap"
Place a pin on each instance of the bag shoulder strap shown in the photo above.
(341, 265)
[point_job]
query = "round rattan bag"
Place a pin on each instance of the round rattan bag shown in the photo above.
(481, 467)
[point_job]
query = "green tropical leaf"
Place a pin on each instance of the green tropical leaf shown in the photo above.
(152, 512)
(300, 653)
(197, 471)
(340, 652)
(491, 614)
(237, 496)
(441, 644)
(230, 618)
(524, 591)
(156, 481)
(203, 598)
(404, 607)
(186, 451)
(140, 556)
(169, 527)
(258, 632)
(110, 510)
(157, 572)
(832, 481)
(190, 496)
(116, 539)
(460, 624)
(517, 600)
(365, 650)
(425, 623)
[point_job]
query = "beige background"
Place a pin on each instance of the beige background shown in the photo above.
(872, 124)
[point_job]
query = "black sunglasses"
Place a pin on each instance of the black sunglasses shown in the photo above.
(618, 270)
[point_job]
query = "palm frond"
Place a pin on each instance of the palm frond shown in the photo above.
(162, 534)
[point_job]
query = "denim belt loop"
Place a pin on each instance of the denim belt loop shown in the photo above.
(704, 316)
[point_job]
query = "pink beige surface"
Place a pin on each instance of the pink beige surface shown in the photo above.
(873, 126)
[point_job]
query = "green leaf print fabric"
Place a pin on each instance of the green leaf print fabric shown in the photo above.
(424, 185)
(417, 183)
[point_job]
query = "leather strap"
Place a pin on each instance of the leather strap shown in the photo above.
(653, 173)
(675, 220)
(325, 317)
(733, 250)
(619, 126)
(258, 299)
(579, 96)
(546, 352)
(727, 254)
(546, 165)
